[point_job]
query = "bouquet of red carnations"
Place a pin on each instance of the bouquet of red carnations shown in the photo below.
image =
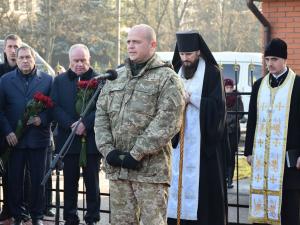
(85, 91)
(39, 103)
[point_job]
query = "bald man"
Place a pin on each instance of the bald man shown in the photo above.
(137, 115)
(64, 95)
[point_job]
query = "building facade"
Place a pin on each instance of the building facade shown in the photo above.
(284, 17)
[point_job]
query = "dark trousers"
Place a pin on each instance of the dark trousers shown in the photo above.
(5, 208)
(48, 187)
(91, 180)
(5, 213)
(290, 211)
(234, 139)
(35, 160)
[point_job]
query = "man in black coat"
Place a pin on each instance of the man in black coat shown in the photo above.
(17, 88)
(11, 43)
(65, 95)
(204, 196)
(273, 132)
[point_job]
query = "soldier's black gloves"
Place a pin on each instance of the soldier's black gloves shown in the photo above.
(114, 158)
(129, 162)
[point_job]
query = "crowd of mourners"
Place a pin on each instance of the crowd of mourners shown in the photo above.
(166, 134)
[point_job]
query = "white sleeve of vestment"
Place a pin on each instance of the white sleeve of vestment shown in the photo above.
(195, 100)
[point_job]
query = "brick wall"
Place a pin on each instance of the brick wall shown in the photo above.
(284, 17)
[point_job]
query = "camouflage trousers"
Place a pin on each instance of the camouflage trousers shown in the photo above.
(132, 202)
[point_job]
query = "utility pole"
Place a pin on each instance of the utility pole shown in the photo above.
(118, 7)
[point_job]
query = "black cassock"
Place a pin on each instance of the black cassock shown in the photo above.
(212, 204)
(291, 178)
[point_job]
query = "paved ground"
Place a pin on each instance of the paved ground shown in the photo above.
(239, 214)
(81, 201)
(235, 215)
(232, 198)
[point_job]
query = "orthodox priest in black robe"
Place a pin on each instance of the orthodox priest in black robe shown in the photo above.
(274, 127)
(204, 195)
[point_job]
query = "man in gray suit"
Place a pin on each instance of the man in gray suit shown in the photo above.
(17, 88)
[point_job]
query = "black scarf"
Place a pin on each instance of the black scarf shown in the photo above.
(85, 76)
(136, 67)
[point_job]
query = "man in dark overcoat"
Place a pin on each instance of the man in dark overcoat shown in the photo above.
(17, 88)
(64, 93)
(11, 43)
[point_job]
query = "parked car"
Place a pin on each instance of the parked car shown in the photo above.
(40, 62)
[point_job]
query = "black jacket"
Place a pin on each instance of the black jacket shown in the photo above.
(234, 104)
(13, 99)
(64, 93)
(5, 67)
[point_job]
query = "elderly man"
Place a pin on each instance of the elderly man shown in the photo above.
(17, 88)
(272, 141)
(204, 180)
(65, 95)
(137, 115)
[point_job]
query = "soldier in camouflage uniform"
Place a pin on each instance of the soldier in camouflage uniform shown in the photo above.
(137, 115)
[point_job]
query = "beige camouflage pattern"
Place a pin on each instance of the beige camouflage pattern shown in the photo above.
(130, 201)
(140, 114)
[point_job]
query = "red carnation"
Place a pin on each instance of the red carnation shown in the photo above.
(85, 91)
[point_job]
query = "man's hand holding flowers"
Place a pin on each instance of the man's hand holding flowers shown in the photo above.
(34, 107)
(39, 103)
(85, 91)
(35, 120)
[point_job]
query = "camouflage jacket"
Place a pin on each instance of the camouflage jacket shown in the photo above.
(140, 115)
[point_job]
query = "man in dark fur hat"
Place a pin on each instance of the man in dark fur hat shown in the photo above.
(272, 141)
(204, 181)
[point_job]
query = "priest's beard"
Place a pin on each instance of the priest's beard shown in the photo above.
(189, 70)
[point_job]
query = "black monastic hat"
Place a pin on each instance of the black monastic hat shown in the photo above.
(277, 48)
(190, 41)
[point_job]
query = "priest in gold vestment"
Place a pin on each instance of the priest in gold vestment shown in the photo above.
(273, 132)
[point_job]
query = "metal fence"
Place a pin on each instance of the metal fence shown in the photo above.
(238, 198)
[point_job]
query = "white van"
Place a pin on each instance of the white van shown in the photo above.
(246, 63)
